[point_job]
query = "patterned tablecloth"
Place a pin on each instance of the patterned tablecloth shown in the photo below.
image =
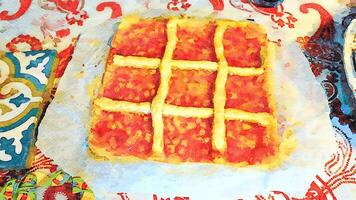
(34, 25)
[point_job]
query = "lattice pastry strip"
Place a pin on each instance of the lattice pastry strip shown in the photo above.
(163, 123)
(158, 101)
(219, 140)
(153, 63)
(107, 104)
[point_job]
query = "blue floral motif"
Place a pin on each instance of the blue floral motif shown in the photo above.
(18, 160)
(7, 144)
(17, 101)
(35, 63)
(48, 67)
(35, 74)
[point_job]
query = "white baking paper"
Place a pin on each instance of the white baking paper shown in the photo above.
(300, 99)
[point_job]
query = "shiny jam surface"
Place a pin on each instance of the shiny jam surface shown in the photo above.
(189, 139)
(247, 93)
(247, 142)
(124, 134)
(191, 88)
(195, 42)
(131, 84)
(146, 38)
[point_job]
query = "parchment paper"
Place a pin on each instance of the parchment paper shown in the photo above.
(300, 99)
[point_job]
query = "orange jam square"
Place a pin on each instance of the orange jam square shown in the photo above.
(123, 134)
(242, 46)
(195, 42)
(191, 88)
(188, 139)
(247, 93)
(145, 38)
(247, 142)
(131, 84)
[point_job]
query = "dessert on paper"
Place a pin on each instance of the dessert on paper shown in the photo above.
(187, 89)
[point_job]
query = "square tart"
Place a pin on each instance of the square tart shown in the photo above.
(186, 90)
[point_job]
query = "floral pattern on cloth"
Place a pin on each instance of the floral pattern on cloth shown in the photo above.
(324, 53)
(25, 83)
(44, 180)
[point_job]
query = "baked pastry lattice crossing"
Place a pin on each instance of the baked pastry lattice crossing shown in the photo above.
(183, 89)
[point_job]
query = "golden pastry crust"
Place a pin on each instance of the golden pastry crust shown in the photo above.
(158, 108)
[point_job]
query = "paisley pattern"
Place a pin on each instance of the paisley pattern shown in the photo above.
(24, 85)
(324, 53)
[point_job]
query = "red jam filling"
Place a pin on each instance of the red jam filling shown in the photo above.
(185, 139)
(147, 38)
(124, 134)
(189, 139)
(131, 84)
(241, 48)
(195, 43)
(247, 142)
(247, 93)
(191, 88)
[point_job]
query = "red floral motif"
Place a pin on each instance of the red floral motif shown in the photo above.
(43, 162)
(64, 57)
(72, 8)
(33, 42)
(217, 4)
(123, 195)
(63, 32)
(326, 29)
(283, 18)
(327, 54)
(178, 5)
(340, 169)
(65, 189)
(316, 192)
(48, 24)
(278, 15)
(323, 52)
(24, 6)
(303, 41)
(316, 68)
(77, 17)
(115, 7)
(53, 28)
